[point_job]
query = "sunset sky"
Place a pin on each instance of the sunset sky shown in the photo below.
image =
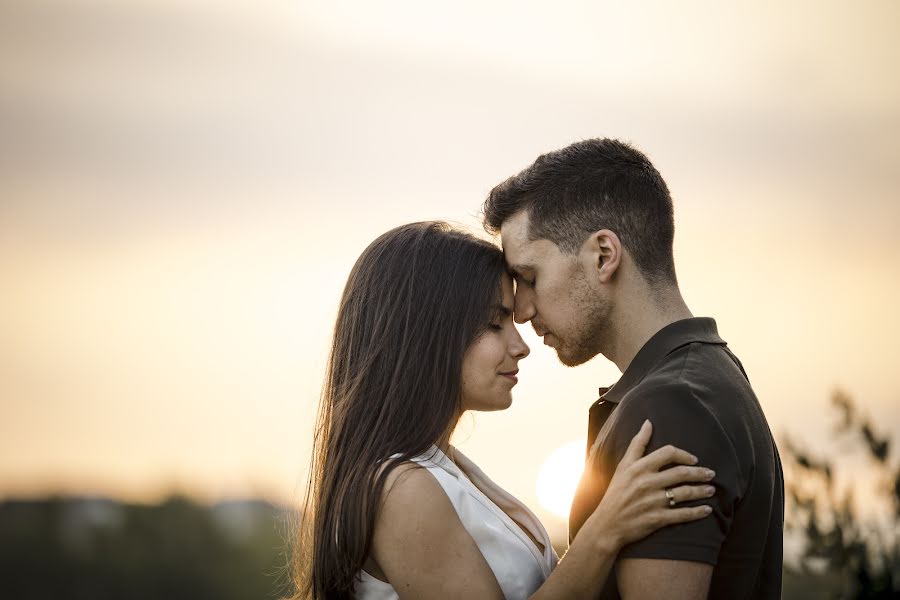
(184, 186)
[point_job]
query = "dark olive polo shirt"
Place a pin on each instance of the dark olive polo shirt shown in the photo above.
(695, 392)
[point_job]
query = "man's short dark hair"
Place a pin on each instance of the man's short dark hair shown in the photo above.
(587, 186)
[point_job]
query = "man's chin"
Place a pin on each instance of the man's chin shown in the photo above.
(571, 359)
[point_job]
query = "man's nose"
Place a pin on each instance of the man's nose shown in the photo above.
(523, 307)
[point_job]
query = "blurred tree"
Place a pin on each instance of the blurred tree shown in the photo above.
(99, 549)
(856, 557)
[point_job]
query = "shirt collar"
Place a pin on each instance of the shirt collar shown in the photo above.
(664, 342)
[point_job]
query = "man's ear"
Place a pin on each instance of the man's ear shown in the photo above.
(603, 250)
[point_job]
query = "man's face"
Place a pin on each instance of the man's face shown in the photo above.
(556, 292)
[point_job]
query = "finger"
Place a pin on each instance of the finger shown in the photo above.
(638, 444)
(682, 474)
(668, 455)
(671, 516)
(686, 493)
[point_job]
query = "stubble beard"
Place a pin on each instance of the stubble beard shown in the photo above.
(586, 340)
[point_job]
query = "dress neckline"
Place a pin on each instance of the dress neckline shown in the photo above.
(491, 496)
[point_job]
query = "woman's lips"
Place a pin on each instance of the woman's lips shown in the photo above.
(511, 375)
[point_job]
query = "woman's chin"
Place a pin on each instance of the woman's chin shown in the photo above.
(501, 400)
(500, 404)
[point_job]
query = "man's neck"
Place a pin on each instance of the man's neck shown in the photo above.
(638, 321)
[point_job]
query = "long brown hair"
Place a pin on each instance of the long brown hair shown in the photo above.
(415, 300)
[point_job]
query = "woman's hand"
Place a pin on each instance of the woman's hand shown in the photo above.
(636, 504)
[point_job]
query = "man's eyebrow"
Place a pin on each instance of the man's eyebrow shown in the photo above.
(516, 270)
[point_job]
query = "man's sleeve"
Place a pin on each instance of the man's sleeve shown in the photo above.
(682, 419)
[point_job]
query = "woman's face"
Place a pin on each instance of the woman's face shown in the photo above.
(490, 365)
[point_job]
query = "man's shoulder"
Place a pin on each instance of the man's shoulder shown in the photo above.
(696, 370)
(655, 388)
(675, 403)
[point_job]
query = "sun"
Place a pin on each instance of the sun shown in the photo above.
(558, 478)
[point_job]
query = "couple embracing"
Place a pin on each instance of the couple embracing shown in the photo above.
(682, 493)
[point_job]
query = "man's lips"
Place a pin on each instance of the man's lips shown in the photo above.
(543, 334)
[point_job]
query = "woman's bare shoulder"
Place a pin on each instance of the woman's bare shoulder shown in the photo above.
(422, 546)
(411, 488)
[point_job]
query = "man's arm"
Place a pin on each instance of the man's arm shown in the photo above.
(658, 578)
(677, 562)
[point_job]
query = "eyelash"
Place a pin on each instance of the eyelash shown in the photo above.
(495, 327)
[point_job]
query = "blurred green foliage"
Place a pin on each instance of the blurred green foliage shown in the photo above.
(99, 549)
(844, 553)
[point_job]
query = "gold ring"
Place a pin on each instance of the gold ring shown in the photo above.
(670, 496)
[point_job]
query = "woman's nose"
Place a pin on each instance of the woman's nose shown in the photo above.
(519, 348)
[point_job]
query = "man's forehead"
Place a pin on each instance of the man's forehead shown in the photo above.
(514, 238)
(518, 257)
(525, 255)
(515, 227)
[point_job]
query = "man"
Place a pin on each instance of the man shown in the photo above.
(587, 232)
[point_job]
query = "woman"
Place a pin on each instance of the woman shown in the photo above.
(424, 333)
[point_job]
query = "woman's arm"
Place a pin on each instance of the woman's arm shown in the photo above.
(422, 546)
(425, 551)
(633, 507)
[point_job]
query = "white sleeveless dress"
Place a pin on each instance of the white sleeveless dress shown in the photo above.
(519, 566)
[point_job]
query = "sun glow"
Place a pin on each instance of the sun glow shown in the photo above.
(559, 476)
